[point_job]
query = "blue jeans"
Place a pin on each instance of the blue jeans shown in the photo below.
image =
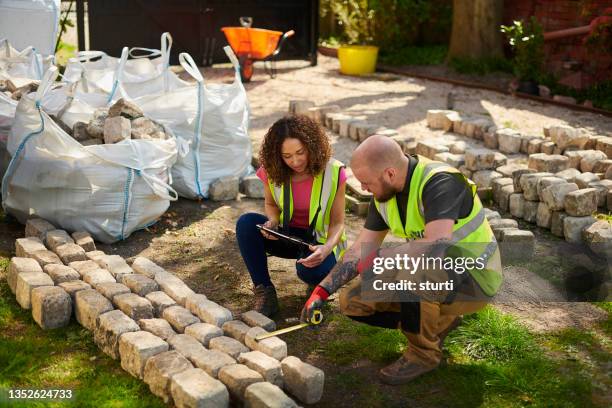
(253, 248)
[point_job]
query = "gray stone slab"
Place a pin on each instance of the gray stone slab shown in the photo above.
(160, 301)
(237, 377)
(140, 284)
(89, 304)
(26, 281)
(110, 326)
(254, 318)
(179, 318)
(51, 307)
(195, 388)
(266, 395)
(136, 307)
(159, 371)
(61, 273)
(135, 348)
(158, 327)
(20, 265)
(204, 332)
(227, 345)
(303, 380)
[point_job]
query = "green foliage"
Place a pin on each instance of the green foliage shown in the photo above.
(390, 24)
(600, 36)
(357, 19)
(600, 94)
(480, 66)
(526, 40)
(425, 55)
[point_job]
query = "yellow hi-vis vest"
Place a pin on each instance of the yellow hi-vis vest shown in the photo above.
(474, 230)
(322, 195)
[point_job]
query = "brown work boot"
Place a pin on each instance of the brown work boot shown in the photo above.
(266, 301)
(402, 371)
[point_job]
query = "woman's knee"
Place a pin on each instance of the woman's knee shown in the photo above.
(248, 222)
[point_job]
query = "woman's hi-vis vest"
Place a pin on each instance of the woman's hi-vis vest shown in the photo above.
(472, 231)
(324, 188)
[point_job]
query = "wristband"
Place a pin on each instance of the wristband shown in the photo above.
(320, 292)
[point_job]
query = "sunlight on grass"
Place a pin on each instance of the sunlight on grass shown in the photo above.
(494, 362)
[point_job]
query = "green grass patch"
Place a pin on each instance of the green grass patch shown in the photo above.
(424, 55)
(62, 358)
(490, 335)
(354, 341)
(494, 362)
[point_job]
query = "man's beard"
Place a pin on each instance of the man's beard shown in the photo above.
(388, 192)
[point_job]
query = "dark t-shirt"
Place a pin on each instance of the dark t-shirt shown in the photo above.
(445, 196)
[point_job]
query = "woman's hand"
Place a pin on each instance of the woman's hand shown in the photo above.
(270, 224)
(319, 253)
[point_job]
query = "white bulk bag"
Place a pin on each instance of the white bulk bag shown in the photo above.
(30, 23)
(98, 72)
(7, 114)
(213, 119)
(24, 66)
(109, 191)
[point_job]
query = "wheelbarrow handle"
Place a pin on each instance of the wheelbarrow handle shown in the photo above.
(289, 33)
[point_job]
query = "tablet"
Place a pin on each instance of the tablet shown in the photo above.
(280, 235)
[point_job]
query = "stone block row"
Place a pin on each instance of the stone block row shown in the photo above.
(564, 205)
(188, 349)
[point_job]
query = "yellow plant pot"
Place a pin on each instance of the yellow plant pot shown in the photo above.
(357, 59)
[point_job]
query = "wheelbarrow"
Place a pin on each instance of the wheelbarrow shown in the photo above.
(255, 44)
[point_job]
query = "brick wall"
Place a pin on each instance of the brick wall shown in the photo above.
(567, 58)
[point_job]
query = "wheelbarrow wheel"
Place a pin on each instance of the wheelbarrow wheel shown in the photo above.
(246, 68)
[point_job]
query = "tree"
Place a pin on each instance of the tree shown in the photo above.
(475, 32)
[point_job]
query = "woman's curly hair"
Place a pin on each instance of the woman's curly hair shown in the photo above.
(307, 131)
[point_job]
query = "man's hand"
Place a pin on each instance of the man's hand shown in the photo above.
(315, 302)
(319, 253)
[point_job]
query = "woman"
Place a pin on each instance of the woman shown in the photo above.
(304, 197)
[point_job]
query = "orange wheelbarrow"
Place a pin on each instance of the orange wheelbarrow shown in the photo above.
(255, 44)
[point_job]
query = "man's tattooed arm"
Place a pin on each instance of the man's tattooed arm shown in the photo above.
(340, 274)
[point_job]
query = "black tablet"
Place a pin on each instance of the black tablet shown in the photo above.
(280, 235)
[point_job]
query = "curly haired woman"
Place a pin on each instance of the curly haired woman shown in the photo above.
(304, 198)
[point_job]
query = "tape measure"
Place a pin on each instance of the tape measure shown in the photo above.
(317, 317)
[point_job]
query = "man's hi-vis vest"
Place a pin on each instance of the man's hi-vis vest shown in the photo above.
(472, 231)
(324, 188)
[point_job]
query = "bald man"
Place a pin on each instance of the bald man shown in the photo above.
(434, 207)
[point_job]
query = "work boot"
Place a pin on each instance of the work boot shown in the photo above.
(266, 301)
(402, 371)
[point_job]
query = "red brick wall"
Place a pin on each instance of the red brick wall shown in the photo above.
(562, 14)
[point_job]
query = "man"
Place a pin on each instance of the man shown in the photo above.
(432, 206)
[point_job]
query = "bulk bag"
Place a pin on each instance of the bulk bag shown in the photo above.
(109, 191)
(213, 120)
(97, 72)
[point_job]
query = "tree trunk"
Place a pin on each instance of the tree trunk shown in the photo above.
(476, 25)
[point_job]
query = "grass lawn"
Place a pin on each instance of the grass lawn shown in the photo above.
(61, 358)
(493, 362)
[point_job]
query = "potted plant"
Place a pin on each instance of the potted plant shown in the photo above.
(357, 55)
(526, 40)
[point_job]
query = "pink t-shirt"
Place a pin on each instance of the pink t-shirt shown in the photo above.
(301, 197)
